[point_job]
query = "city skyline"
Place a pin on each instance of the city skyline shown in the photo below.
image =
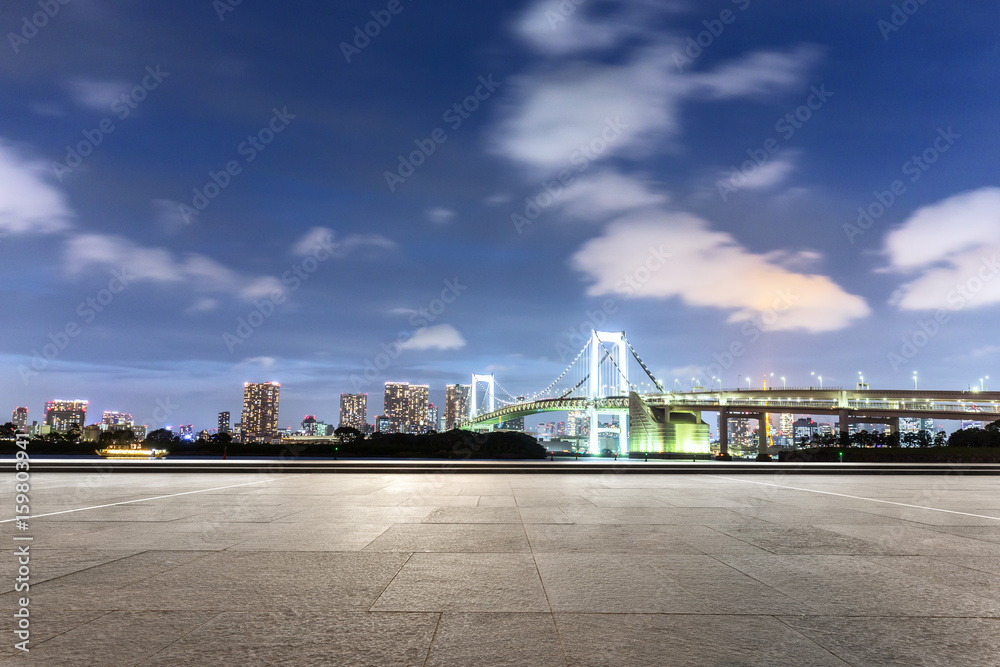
(745, 188)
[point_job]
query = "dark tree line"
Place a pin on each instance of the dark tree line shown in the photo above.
(454, 444)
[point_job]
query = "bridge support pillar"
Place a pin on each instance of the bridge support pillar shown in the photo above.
(723, 432)
(762, 434)
(894, 425)
(842, 420)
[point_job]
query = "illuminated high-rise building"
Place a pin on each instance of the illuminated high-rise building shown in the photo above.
(224, 422)
(433, 417)
(417, 404)
(577, 423)
(313, 426)
(260, 411)
(116, 421)
(456, 404)
(405, 405)
(805, 428)
(396, 405)
(20, 419)
(60, 415)
(741, 434)
(515, 424)
(354, 411)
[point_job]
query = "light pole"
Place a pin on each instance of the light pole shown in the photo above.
(820, 381)
(914, 380)
(982, 386)
(783, 386)
(748, 384)
(677, 384)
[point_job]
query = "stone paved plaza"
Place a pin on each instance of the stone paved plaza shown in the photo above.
(509, 569)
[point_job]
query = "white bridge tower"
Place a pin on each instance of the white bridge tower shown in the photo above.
(608, 377)
(490, 382)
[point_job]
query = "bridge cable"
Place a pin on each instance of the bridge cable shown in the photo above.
(608, 355)
(635, 354)
(556, 381)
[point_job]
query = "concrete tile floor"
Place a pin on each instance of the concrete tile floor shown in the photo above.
(502, 569)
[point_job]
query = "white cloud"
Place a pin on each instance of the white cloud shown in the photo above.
(168, 215)
(29, 203)
(203, 305)
(46, 109)
(263, 362)
(766, 175)
(954, 248)
(440, 216)
(661, 255)
(497, 199)
(599, 195)
(136, 262)
(757, 73)
(556, 114)
(317, 237)
(96, 94)
(565, 27)
(437, 337)
(323, 238)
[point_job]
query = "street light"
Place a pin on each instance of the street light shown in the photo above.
(914, 380)
(820, 381)
(783, 382)
(748, 384)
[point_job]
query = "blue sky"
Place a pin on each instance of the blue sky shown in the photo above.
(478, 181)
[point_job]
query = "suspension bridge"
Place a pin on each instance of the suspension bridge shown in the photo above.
(596, 382)
(652, 419)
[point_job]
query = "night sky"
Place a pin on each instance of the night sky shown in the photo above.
(195, 194)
